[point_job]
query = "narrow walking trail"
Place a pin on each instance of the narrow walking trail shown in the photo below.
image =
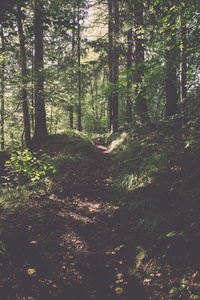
(74, 247)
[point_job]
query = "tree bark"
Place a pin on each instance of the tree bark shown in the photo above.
(32, 90)
(129, 81)
(110, 62)
(71, 108)
(2, 70)
(113, 35)
(24, 79)
(183, 78)
(141, 114)
(116, 66)
(171, 78)
(79, 74)
(40, 134)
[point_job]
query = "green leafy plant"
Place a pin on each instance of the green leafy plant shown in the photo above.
(2, 248)
(2, 253)
(25, 167)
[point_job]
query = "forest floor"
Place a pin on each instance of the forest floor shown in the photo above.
(74, 247)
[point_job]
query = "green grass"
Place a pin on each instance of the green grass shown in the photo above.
(156, 182)
(29, 174)
(154, 171)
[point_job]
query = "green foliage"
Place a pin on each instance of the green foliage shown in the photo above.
(155, 175)
(29, 173)
(2, 248)
(72, 142)
(64, 160)
(73, 146)
(25, 167)
(2, 253)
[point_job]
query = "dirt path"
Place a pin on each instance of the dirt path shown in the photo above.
(74, 248)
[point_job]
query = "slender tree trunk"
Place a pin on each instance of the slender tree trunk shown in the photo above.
(40, 134)
(103, 85)
(79, 74)
(183, 79)
(71, 116)
(51, 119)
(116, 66)
(129, 81)
(110, 62)
(171, 78)
(141, 114)
(2, 72)
(32, 90)
(71, 108)
(24, 79)
(96, 102)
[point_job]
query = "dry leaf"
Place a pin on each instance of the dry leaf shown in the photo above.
(31, 271)
(118, 290)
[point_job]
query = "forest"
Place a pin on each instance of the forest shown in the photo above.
(99, 149)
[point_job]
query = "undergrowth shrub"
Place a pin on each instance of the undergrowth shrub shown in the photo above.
(72, 142)
(68, 148)
(2, 254)
(24, 167)
(155, 176)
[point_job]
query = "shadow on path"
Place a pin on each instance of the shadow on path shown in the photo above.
(73, 248)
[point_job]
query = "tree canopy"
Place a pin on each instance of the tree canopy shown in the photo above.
(96, 65)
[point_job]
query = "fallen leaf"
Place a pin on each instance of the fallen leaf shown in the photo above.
(194, 276)
(118, 281)
(118, 290)
(92, 210)
(147, 280)
(31, 271)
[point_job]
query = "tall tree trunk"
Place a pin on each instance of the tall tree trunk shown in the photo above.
(96, 102)
(116, 66)
(71, 108)
(51, 119)
(32, 89)
(24, 79)
(171, 78)
(141, 114)
(40, 134)
(183, 79)
(113, 32)
(129, 81)
(2, 72)
(110, 62)
(79, 74)
(71, 116)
